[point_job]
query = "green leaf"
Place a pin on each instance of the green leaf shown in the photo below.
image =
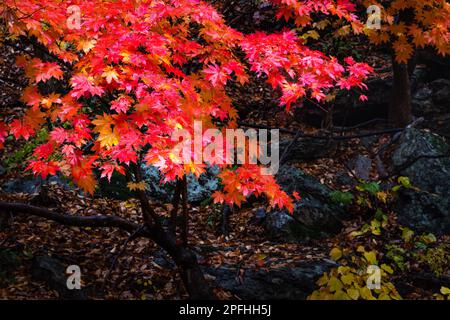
(341, 295)
(372, 187)
(344, 198)
(405, 182)
(323, 280)
(335, 284)
(407, 234)
(387, 268)
(366, 294)
(353, 293)
(445, 290)
(371, 257)
(429, 238)
(347, 278)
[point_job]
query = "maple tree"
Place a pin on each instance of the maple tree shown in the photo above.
(408, 26)
(136, 71)
(405, 26)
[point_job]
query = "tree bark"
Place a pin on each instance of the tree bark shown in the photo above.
(185, 221)
(191, 274)
(400, 108)
(225, 223)
(176, 203)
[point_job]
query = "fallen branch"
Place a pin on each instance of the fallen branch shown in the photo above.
(100, 221)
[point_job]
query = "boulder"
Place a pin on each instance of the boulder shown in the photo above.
(30, 184)
(428, 207)
(307, 149)
(51, 271)
(293, 282)
(432, 98)
(441, 92)
(315, 215)
(361, 166)
(199, 189)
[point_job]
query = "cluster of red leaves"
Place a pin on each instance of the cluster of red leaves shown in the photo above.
(302, 11)
(132, 83)
(297, 69)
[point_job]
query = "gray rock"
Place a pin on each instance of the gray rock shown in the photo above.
(161, 258)
(428, 208)
(22, 185)
(315, 215)
(361, 166)
(2, 171)
(294, 283)
(307, 149)
(423, 107)
(51, 271)
(432, 98)
(423, 93)
(441, 92)
(259, 216)
(343, 178)
(199, 190)
(368, 142)
(31, 185)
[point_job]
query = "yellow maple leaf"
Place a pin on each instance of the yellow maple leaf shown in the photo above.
(110, 74)
(107, 136)
(108, 139)
(134, 186)
(86, 45)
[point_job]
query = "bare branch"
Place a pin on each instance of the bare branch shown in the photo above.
(100, 221)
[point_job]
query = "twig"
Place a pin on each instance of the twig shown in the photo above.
(362, 124)
(288, 148)
(412, 161)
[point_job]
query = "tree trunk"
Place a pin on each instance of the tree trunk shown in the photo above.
(225, 223)
(400, 108)
(191, 274)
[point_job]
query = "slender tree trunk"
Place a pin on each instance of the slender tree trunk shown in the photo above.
(176, 204)
(225, 223)
(400, 108)
(185, 221)
(186, 261)
(400, 112)
(192, 276)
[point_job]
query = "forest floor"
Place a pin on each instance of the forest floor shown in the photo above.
(143, 271)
